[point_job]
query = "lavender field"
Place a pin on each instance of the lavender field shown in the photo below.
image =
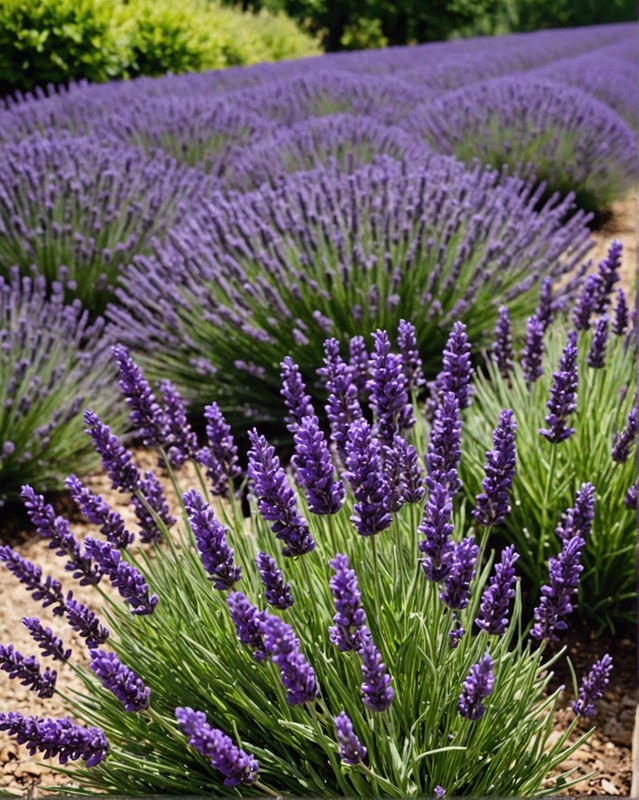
(319, 423)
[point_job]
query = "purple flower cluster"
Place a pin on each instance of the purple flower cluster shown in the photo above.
(314, 469)
(593, 687)
(298, 677)
(388, 387)
(533, 351)
(351, 750)
(377, 692)
(444, 445)
(50, 644)
(437, 528)
(502, 350)
(456, 591)
(212, 542)
(249, 623)
(121, 680)
(608, 273)
(46, 590)
(556, 595)
(146, 413)
(366, 475)
(178, 438)
(495, 601)
(586, 302)
(56, 737)
(350, 617)
(116, 460)
(85, 622)
(492, 505)
(98, 512)
(597, 354)
(563, 394)
(477, 687)
(577, 521)
(298, 403)
(123, 576)
(411, 360)
(27, 671)
(624, 440)
(276, 591)
(456, 374)
(342, 407)
(220, 456)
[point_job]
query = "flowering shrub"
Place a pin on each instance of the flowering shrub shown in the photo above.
(279, 270)
(77, 211)
(586, 379)
(294, 670)
(520, 121)
(49, 372)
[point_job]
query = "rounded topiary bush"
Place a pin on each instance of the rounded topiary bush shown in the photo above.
(571, 141)
(76, 209)
(249, 278)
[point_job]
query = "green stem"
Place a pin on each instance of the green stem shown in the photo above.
(378, 585)
(544, 510)
(267, 790)
(331, 533)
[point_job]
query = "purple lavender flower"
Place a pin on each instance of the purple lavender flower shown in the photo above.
(57, 737)
(586, 302)
(456, 633)
(437, 528)
(456, 374)
(593, 687)
(277, 592)
(492, 505)
(315, 471)
(212, 542)
(620, 322)
(366, 476)
(544, 312)
(50, 644)
(146, 413)
(502, 350)
(350, 615)
(57, 530)
(298, 677)
(97, 511)
(49, 590)
(563, 394)
(377, 692)
(115, 459)
(555, 601)
(597, 354)
(220, 456)
(444, 445)
(123, 576)
(121, 680)
(351, 750)
(477, 687)
(403, 461)
(577, 521)
(298, 403)
(631, 498)
(608, 272)
(533, 352)
(624, 440)
(439, 791)
(456, 593)
(389, 399)
(178, 438)
(275, 498)
(249, 623)
(27, 671)
(85, 622)
(236, 765)
(412, 362)
(150, 493)
(358, 363)
(495, 601)
(343, 406)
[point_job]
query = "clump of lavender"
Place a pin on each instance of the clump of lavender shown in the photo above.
(593, 687)
(563, 395)
(57, 737)
(477, 687)
(315, 471)
(493, 504)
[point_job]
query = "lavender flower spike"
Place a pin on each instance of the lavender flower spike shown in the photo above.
(351, 750)
(236, 765)
(124, 577)
(150, 488)
(624, 440)
(220, 456)
(578, 521)
(85, 622)
(50, 644)
(366, 476)
(407, 343)
(495, 601)
(115, 459)
(27, 671)
(492, 505)
(277, 592)
(532, 354)
(249, 623)
(477, 687)
(444, 445)
(389, 399)
(502, 350)
(298, 403)
(97, 511)
(544, 312)
(437, 528)
(212, 543)
(121, 680)
(563, 394)
(620, 322)
(593, 687)
(358, 363)
(342, 407)
(178, 438)
(597, 354)
(586, 302)
(350, 615)
(556, 596)
(315, 471)
(298, 677)
(608, 272)
(57, 737)
(49, 590)
(457, 372)
(146, 413)
(377, 692)
(275, 498)
(456, 593)
(411, 482)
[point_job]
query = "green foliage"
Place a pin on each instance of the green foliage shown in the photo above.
(532, 15)
(548, 476)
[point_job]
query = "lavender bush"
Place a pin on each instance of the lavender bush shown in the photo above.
(250, 278)
(285, 660)
(52, 362)
(77, 211)
(523, 121)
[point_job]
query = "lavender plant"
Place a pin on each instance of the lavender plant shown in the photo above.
(52, 362)
(253, 277)
(267, 669)
(576, 427)
(530, 123)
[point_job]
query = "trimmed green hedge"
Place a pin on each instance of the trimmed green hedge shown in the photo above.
(56, 41)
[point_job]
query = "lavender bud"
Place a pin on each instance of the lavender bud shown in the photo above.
(495, 601)
(115, 459)
(146, 413)
(97, 511)
(586, 302)
(532, 354)
(342, 407)
(624, 440)
(502, 350)
(351, 750)
(277, 592)
(315, 471)
(50, 644)
(608, 272)
(298, 677)
(492, 504)
(377, 692)
(437, 528)
(456, 593)
(27, 671)
(477, 687)
(457, 373)
(298, 403)
(249, 623)
(358, 363)
(444, 446)
(212, 542)
(48, 591)
(577, 521)
(388, 390)
(563, 394)
(366, 476)
(412, 363)
(620, 322)
(556, 602)
(350, 615)
(220, 457)
(84, 621)
(178, 438)
(593, 687)
(123, 576)
(597, 354)
(545, 307)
